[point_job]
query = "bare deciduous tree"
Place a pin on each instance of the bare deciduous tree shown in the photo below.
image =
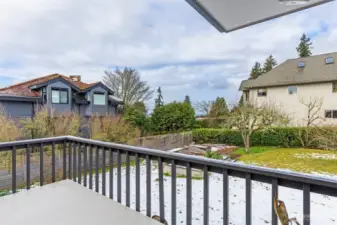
(127, 85)
(326, 137)
(313, 107)
(249, 119)
(204, 107)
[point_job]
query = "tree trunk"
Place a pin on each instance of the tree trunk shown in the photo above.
(247, 143)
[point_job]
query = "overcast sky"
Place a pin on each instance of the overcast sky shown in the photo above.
(166, 40)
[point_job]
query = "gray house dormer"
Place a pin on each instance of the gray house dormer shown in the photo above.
(61, 94)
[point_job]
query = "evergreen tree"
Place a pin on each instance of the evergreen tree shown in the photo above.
(256, 71)
(304, 47)
(219, 108)
(269, 64)
(241, 101)
(140, 106)
(187, 99)
(159, 101)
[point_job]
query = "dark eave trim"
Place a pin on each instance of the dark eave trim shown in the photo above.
(287, 84)
(99, 84)
(20, 98)
(53, 81)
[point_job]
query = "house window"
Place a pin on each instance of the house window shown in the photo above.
(44, 95)
(246, 96)
(301, 65)
(59, 96)
(292, 90)
(99, 99)
(334, 87)
(329, 60)
(262, 92)
(87, 96)
(331, 114)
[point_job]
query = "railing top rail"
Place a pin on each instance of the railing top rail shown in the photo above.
(284, 175)
(4, 146)
(253, 170)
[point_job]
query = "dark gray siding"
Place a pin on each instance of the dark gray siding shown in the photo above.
(112, 109)
(100, 110)
(15, 109)
(82, 110)
(59, 108)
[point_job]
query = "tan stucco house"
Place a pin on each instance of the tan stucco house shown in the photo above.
(298, 81)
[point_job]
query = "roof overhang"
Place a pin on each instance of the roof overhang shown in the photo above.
(245, 87)
(98, 84)
(115, 100)
(5, 97)
(43, 84)
(230, 15)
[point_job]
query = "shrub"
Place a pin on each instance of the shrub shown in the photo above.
(137, 118)
(325, 138)
(9, 130)
(175, 116)
(45, 124)
(213, 155)
(211, 123)
(276, 136)
(67, 124)
(40, 126)
(112, 129)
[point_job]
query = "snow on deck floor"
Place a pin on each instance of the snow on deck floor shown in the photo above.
(323, 208)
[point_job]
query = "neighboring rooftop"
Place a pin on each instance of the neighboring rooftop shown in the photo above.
(26, 89)
(313, 69)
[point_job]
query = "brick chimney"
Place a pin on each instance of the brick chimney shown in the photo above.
(75, 78)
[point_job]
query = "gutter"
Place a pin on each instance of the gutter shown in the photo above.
(20, 98)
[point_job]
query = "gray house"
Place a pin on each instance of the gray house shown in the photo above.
(60, 93)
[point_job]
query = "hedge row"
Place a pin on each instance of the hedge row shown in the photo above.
(279, 136)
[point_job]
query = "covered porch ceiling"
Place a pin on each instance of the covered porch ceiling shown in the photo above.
(230, 15)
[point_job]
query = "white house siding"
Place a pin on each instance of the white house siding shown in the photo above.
(290, 104)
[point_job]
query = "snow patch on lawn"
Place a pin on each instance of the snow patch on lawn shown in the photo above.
(317, 156)
(323, 208)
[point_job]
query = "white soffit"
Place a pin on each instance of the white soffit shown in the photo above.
(230, 15)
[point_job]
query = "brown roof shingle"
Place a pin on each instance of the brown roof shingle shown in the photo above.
(22, 89)
(287, 73)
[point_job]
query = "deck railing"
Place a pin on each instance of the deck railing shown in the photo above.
(80, 165)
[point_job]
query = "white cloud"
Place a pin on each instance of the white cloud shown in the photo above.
(166, 40)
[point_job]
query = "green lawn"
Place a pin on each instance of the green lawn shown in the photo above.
(297, 159)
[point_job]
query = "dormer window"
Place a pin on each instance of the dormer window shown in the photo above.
(59, 96)
(99, 98)
(329, 60)
(301, 65)
(292, 90)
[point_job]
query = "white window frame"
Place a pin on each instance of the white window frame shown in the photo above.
(262, 92)
(334, 87)
(59, 91)
(292, 92)
(99, 94)
(333, 114)
(329, 60)
(301, 65)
